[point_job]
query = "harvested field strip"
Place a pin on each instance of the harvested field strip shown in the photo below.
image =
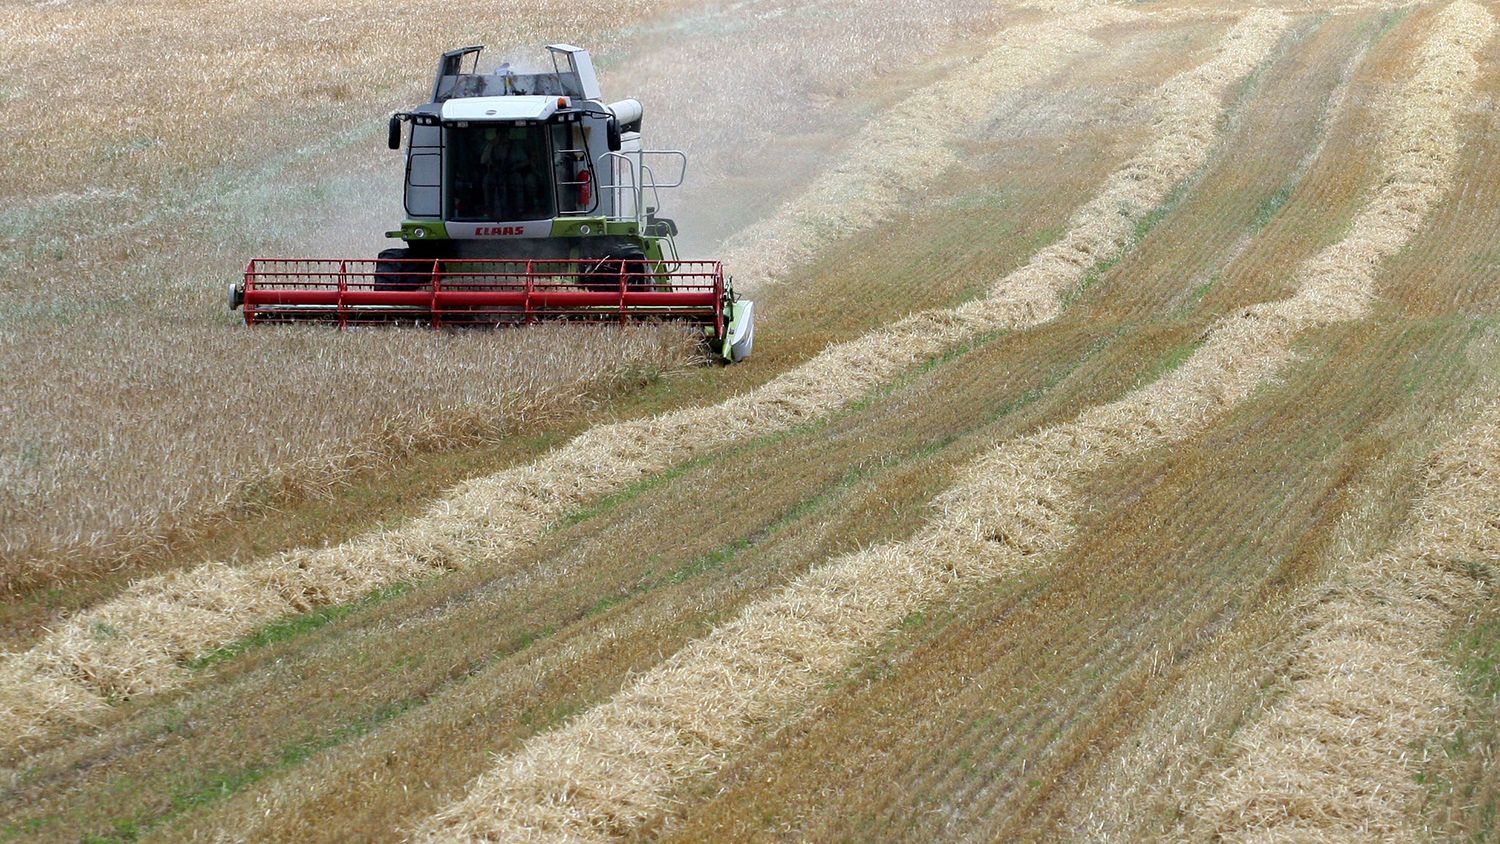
(1203, 252)
(493, 697)
(626, 763)
(135, 644)
(1463, 781)
(873, 183)
(1025, 684)
(1334, 758)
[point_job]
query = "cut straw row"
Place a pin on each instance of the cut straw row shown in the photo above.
(1333, 760)
(628, 761)
(872, 183)
(136, 643)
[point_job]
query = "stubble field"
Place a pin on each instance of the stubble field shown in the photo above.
(1120, 458)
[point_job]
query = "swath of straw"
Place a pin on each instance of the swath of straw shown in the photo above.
(870, 184)
(135, 644)
(622, 764)
(626, 762)
(1333, 759)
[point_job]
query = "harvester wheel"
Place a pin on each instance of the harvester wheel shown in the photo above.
(603, 274)
(636, 271)
(392, 274)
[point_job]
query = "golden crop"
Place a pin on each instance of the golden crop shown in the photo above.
(152, 151)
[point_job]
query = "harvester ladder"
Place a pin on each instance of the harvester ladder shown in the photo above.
(581, 155)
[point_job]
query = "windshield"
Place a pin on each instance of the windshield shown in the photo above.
(499, 172)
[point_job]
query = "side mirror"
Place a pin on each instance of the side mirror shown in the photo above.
(613, 134)
(393, 134)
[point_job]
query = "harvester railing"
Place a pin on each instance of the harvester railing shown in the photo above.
(625, 166)
(457, 293)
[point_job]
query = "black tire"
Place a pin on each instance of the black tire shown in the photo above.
(637, 270)
(589, 275)
(391, 274)
(602, 274)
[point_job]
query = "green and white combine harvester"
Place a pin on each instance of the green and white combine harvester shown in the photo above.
(528, 199)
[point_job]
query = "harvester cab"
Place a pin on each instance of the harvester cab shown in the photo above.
(528, 198)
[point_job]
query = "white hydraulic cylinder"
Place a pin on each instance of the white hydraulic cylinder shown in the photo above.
(628, 112)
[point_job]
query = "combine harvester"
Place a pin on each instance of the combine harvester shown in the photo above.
(528, 199)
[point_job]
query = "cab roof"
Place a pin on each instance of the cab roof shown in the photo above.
(494, 109)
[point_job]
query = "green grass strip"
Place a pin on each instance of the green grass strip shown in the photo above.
(210, 788)
(293, 626)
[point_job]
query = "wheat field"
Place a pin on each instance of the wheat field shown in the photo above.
(146, 410)
(1118, 461)
(135, 407)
